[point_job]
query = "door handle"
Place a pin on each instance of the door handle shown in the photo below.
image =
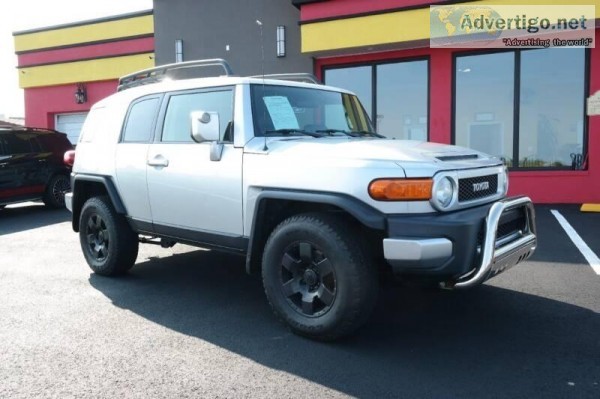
(158, 160)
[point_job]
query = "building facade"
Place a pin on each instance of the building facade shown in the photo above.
(527, 106)
(65, 69)
(254, 36)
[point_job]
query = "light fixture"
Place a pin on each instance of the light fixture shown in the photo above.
(80, 94)
(281, 41)
(178, 50)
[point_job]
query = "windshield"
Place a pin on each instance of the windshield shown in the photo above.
(287, 110)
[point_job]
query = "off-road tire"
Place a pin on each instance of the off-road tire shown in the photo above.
(54, 196)
(307, 241)
(108, 243)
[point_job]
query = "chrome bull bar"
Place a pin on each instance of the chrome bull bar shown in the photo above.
(499, 256)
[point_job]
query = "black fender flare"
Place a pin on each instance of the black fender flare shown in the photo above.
(109, 185)
(364, 213)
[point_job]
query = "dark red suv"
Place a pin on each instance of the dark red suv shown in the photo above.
(32, 167)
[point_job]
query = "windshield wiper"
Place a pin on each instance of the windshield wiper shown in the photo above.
(291, 131)
(368, 133)
(358, 133)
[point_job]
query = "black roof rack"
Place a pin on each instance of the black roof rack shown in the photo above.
(159, 73)
(21, 128)
(298, 77)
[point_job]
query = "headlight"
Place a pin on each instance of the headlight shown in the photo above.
(505, 180)
(443, 192)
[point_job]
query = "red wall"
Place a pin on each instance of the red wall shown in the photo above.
(541, 186)
(121, 47)
(42, 103)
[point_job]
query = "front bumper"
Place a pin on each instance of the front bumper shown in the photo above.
(462, 248)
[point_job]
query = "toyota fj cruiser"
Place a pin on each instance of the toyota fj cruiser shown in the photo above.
(293, 176)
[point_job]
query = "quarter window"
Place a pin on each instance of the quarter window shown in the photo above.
(140, 121)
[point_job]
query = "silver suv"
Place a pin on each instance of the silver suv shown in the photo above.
(293, 176)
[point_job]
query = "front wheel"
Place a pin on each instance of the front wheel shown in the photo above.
(108, 243)
(317, 276)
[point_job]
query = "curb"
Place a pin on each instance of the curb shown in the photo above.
(590, 208)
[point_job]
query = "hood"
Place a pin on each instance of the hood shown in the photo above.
(403, 152)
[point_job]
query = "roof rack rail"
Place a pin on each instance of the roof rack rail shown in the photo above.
(299, 77)
(159, 73)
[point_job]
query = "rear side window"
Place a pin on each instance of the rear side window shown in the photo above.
(18, 144)
(177, 125)
(140, 121)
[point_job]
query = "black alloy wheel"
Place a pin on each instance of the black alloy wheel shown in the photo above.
(308, 279)
(98, 238)
(107, 241)
(318, 275)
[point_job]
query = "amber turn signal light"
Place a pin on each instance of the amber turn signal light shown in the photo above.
(401, 189)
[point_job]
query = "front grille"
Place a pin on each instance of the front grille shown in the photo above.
(473, 188)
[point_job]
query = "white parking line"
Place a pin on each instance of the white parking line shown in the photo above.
(586, 251)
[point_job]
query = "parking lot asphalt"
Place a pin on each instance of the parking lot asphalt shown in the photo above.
(190, 323)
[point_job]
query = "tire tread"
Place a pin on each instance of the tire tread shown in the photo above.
(364, 296)
(125, 244)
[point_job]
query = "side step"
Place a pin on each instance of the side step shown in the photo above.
(163, 242)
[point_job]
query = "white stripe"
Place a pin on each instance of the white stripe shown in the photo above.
(586, 251)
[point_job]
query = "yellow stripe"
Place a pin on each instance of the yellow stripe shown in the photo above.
(590, 208)
(365, 31)
(84, 71)
(86, 33)
(392, 27)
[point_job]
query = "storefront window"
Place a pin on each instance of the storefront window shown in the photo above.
(402, 100)
(549, 118)
(401, 93)
(356, 79)
(551, 112)
(485, 103)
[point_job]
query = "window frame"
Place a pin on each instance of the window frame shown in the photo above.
(162, 114)
(158, 97)
(517, 104)
(353, 105)
(374, 65)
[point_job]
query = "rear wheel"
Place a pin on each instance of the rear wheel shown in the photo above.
(58, 186)
(317, 276)
(108, 243)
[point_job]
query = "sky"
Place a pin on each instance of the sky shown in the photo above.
(20, 15)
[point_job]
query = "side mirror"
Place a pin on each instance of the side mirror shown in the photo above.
(205, 126)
